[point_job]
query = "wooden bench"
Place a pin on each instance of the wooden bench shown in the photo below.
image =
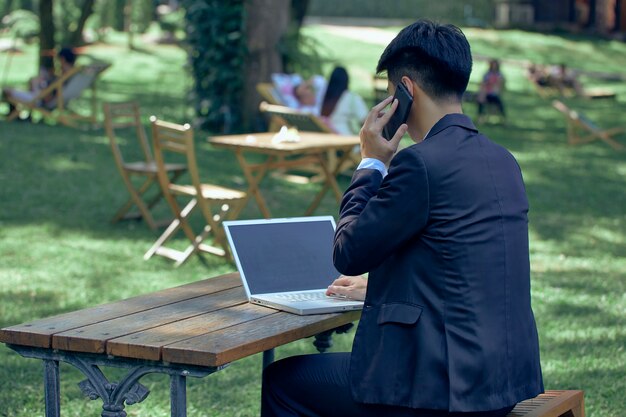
(552, 404)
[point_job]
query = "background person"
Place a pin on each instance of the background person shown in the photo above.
(491, 89)
(441, 227)
(309, 94)
(344, 111)
(66, 58)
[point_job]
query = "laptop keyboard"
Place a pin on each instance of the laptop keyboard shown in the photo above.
(306, 296)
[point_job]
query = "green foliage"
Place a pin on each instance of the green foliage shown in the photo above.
(66, 15)
(21, 24)
(216, 42)
(301, 54)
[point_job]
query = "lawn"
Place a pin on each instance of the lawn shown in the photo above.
(59, 252)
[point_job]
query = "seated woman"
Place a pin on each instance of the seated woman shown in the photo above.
(343, 110)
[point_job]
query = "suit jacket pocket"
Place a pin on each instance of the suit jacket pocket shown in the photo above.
(399, 313)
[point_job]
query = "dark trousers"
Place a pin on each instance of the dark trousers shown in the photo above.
(318, 386)
(491, 99)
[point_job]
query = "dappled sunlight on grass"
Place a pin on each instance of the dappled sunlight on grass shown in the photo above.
(60, 189)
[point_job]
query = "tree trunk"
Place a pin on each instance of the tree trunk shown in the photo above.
(298, 11)
(46, 34)
(267, 21)
(76, 37)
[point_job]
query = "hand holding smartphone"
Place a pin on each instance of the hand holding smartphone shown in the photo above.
(400, 116)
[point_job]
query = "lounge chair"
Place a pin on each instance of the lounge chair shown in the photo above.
(67, 87)
(582, 130)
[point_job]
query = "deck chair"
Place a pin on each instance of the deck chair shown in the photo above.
(305, 122)
(126, 116)
(379, 83)
(582, 130)
(215, 203)
(285, 116)
(267, 91)
(67, 87)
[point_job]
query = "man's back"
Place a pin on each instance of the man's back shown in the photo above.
(455, 259)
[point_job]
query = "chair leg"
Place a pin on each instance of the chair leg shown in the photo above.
(180, 221)
(136, 200)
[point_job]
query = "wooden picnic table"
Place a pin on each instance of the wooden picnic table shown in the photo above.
(191, 330)
(311, 148)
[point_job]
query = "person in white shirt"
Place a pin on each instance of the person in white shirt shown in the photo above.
(343, 110)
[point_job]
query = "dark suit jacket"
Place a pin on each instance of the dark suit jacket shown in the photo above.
(447, 322)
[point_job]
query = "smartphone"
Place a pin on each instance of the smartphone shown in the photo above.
(405, 101)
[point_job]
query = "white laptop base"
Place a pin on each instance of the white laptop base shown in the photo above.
(306, 302)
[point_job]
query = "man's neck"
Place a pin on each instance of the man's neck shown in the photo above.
(435, 112)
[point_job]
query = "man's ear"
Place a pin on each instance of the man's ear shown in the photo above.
(408, 83)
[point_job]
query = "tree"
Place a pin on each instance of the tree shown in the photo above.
(75, 36)
(46, 33)
(267, 22)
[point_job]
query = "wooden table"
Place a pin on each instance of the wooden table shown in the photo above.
(191, 330)
(311, 148)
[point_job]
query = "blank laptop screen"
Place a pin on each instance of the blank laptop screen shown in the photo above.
(284, 256)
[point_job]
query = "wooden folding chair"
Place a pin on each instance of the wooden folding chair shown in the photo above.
(379, 83)
(127, 116)
(285, 116)
(52, 101)
(267, 91)
(582, 130)
(216, 203)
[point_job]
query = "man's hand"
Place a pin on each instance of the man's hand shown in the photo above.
(349, 286)
(373, 144)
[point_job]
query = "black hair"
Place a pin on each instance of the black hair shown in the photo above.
(337, 84)
(436, 56)
(68, 55)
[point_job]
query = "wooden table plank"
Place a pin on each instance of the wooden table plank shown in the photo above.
(236, 342)
(93, 338)
(39, 333)
(149, 343)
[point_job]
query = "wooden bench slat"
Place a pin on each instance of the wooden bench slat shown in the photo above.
(149, 343)
(236, 342)
(552, 403)
(93, 338)
(38, 333)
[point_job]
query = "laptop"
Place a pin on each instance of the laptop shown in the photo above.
(287, 264)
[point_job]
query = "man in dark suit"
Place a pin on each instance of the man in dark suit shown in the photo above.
(441, 228)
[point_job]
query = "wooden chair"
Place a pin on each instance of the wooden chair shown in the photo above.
(52, 102)
(582, 130)
(216, 203)
(379, 83)
(268, 93)
(552, 404)
(285, 116)
(127, 116)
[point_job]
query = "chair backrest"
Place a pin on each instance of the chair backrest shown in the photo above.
(268, 93)
(380, 88)
(174, 138)
(125, 115)
(306, 122)
(78, 82)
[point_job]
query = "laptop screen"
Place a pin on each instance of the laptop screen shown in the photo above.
(279, 255)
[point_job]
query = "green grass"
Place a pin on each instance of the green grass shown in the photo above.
(58, 251)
